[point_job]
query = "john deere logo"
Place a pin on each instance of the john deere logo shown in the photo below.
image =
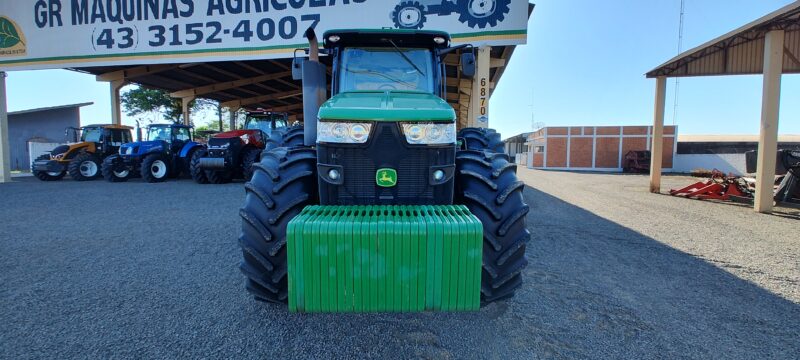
(12, 41)
(386, 177)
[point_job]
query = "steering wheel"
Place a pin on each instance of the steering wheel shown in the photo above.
(387, 87)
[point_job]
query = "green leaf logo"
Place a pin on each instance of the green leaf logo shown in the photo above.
(9, 36)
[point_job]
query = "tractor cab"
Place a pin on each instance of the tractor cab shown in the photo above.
(265, 121)
(387, 112)
(106, 138)
(175, 135)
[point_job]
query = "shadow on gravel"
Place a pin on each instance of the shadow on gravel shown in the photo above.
(597, 285)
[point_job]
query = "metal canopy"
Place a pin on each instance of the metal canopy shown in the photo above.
(266, 84)
(741, 51)
(769, 46)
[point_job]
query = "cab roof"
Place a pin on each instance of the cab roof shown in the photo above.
(108, 126)
(169, 125)
(378, 37)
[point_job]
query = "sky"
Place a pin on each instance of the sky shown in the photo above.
(583, 65)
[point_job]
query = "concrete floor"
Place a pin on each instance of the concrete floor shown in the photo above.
(103, 270)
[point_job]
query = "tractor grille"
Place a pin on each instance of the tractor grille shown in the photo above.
(387, 148)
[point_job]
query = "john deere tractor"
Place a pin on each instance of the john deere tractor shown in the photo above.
(166, 153)
(82, 158)
(385, 207)
(232, 154)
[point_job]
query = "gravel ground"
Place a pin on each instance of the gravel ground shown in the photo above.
(99, 270)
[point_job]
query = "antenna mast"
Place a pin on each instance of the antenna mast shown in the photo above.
(680, 48)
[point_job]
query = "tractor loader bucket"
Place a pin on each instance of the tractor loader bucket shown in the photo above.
(384, 259)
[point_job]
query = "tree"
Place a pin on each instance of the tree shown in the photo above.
(142, 100)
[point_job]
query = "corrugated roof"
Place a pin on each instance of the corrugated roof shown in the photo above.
(740, 51)
(733, 138)
(50, 108)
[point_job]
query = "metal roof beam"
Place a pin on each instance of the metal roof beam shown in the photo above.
(258, 99)
(203, 90)
(135, 72)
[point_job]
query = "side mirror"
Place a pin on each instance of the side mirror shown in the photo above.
(468, 64)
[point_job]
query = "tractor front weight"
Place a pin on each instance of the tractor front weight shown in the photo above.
(384, 259)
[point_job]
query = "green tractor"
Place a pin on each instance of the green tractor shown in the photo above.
(386, 207)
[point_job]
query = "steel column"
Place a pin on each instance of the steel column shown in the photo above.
(5, 156)
(187, 110)
(478, 115)
(658, 135)
(116, 109)
(233, 118)
(770, 109)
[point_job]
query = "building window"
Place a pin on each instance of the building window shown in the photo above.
(538, 149)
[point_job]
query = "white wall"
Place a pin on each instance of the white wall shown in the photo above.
(727, 163)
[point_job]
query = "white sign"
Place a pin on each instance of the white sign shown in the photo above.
(42, 34)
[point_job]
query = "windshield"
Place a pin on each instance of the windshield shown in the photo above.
(93, 134)
(263, 123)
(386, 69)
(155, 133)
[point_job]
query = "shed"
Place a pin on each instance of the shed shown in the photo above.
(36, 130)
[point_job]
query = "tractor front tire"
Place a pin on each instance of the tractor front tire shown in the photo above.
(111, 169)
(48, 176)
(84, 167)
(219, 176)
(155, 168)
(198, 174)
(486, 182)
(289, 138)
(481, 139)
(283, 183)
(251, 157)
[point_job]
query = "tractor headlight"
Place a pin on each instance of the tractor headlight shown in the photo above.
(345, 133)
(430, 133)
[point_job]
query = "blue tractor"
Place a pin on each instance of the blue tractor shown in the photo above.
(166, 153)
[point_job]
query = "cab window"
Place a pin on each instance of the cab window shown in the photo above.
(182, 134)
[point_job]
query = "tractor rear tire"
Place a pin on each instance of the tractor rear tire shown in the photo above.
(198, 174)
(45, 176)
(110, 167)
(155, 168)
(251, 157)
(481, 139)
(84, 167)
(283, 183)
(219, 176)
(487, 184)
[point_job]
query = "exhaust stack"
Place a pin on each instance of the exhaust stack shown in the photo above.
(314, 88)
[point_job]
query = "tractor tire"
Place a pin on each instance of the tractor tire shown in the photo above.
(198, 174)
(487, 184)
(155, 168)
(111, 165)
(251, 157)
(218, 177)
(47, 176)
(283, 183)
(289, 138)
(480, 139)
(84, 167)
(482, 12)
(409, 15)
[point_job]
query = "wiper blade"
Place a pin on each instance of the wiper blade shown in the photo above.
(397, 49)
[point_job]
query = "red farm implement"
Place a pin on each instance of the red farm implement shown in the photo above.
(718, 187)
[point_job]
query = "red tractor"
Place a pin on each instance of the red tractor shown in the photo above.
(231, 154)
